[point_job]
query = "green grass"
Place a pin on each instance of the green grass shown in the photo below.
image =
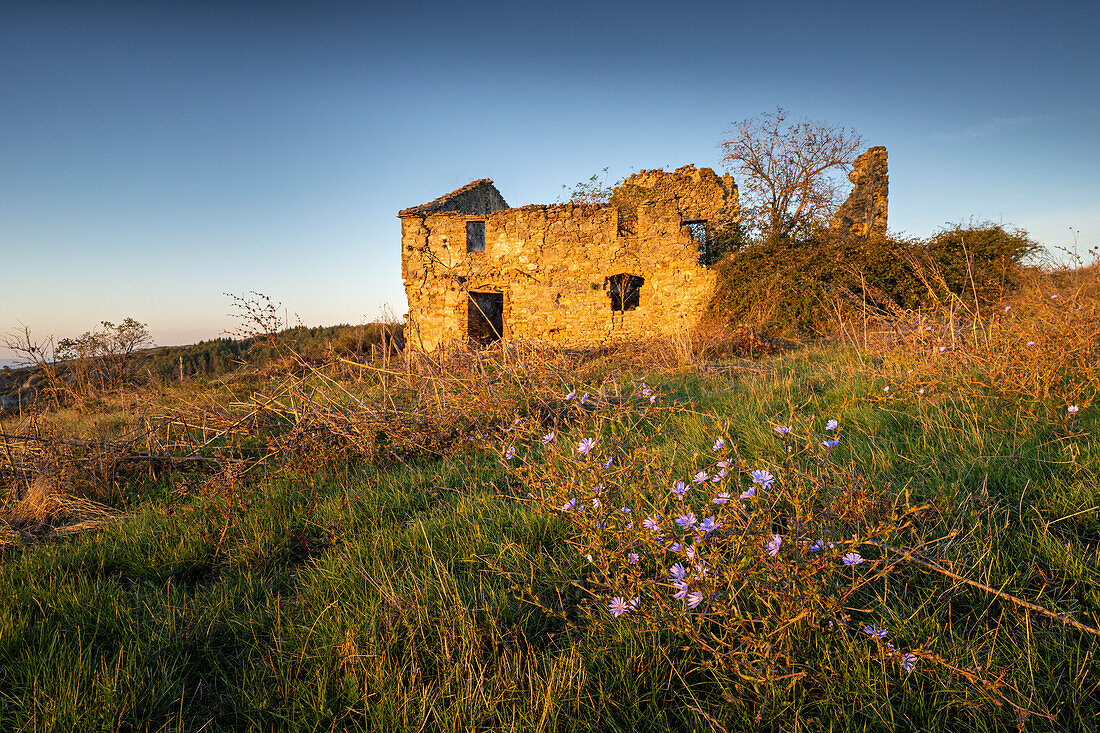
(373, 598)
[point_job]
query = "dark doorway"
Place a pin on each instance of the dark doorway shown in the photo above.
(485, 318)
(624, 291)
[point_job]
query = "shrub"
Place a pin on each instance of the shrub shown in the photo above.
(980, 262)
(803, 286)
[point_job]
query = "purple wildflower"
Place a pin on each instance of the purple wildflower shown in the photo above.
(748, 493)
(571, 395)
(763, 477)
(679, 488)
(718, 445)
(650, 523)
(701, 477)
(830, 444)
(773, 546)
(686, 520)
(569, 505)
(632, 558)
(510, 452)
(677, 572)
(617, 606)
(722, 498)
(694, 599)
(586, 445)
(908, 662)
(832, 424)
(1072, 409)
(548, 437)
(681, 590)
(852, 558)
(875, 632)
(782, 429)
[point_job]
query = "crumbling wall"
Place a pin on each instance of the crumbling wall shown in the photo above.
(553, 264)
(699, 192)
(864, 212)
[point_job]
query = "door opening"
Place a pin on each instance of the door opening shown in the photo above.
(485, 318)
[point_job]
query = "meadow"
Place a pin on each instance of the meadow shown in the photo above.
(894, 529)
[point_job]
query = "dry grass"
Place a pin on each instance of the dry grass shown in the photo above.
(399, 570)
(1039, 349)
(46, 508)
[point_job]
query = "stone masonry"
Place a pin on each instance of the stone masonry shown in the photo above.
(476, 270)
(864, 212)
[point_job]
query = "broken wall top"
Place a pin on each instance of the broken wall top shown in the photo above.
(699, 192)
(478, 198)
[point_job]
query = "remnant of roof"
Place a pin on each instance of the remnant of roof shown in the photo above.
(478, 197)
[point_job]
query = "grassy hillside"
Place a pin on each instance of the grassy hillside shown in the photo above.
(392, 545)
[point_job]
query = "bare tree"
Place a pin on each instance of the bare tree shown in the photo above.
(38, 354)
(786, 171)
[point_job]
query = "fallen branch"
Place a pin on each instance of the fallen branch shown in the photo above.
(910, 556)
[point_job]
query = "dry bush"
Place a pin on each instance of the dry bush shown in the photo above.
(1039, 348)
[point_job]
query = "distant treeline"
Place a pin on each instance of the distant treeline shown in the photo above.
(220, 356)
(217, 357)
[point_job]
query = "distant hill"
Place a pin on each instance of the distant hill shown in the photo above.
(217, 357)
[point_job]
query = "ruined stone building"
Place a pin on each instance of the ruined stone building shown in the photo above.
(476, 270)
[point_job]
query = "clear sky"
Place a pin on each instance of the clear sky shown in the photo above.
(156, 155)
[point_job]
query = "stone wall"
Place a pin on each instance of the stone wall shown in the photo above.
(864, 212)
(699, 192)
(553, 263)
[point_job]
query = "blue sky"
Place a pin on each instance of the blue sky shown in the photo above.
(154, 156)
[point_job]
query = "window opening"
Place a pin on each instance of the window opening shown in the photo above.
(624, 291)
(475, 236)
(699, 234)
(485, 318)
